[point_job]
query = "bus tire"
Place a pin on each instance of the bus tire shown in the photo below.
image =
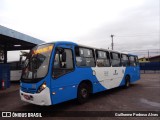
(127, 81)
(83, 93)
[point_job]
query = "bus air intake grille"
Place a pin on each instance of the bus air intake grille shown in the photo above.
(28, 90)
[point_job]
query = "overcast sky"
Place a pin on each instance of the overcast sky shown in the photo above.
(135, 24)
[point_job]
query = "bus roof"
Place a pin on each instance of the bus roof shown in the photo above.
(73, 43)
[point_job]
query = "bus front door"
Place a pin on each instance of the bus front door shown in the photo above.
(62, 81)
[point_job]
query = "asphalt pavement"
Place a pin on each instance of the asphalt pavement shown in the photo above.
(144, 95)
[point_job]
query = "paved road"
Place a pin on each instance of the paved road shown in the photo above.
(144, 95)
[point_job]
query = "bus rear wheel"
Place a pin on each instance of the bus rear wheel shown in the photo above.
(83, 93)
(127, 81)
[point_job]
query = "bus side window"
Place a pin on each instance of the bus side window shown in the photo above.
(137, 62)
(132, 61)
(102, 58)
(62, 65)
(84, 57)
(124, 60)
(115, 57)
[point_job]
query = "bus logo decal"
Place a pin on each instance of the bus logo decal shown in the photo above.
(115, 72)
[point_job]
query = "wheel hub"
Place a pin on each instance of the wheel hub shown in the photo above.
(84, 93)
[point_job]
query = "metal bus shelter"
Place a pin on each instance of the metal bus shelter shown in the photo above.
(11, 40)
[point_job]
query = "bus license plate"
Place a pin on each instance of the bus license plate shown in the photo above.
(27, 97)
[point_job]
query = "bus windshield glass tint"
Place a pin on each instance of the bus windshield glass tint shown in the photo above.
(37, 62)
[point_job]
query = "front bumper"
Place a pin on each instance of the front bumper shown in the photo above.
(42, 98)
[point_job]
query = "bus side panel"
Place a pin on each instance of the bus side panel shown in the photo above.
(15, 75)
(133, 72)
(128, 71)
(96, 83)
(65, 87)
(138, 72)
(109, 77)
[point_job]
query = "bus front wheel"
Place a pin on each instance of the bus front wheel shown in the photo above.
(83, 93)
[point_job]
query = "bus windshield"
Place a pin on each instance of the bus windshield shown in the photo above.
(37, 62)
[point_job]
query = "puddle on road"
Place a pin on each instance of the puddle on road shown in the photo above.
(154, 104)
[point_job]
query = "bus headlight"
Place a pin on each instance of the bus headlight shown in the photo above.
(42, 87)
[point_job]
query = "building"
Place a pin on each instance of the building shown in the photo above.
(11, 40)
(155, 58)
(143, 60)
(150, 59)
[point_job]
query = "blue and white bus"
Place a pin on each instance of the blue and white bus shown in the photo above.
(61, 71)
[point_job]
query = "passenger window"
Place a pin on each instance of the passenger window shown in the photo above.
(85, 57)
(63, 62)
(132, 61)
(124, 60)
(115, 57)
(137, 61)
(102, 59)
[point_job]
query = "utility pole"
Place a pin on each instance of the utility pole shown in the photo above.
(112, 41)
